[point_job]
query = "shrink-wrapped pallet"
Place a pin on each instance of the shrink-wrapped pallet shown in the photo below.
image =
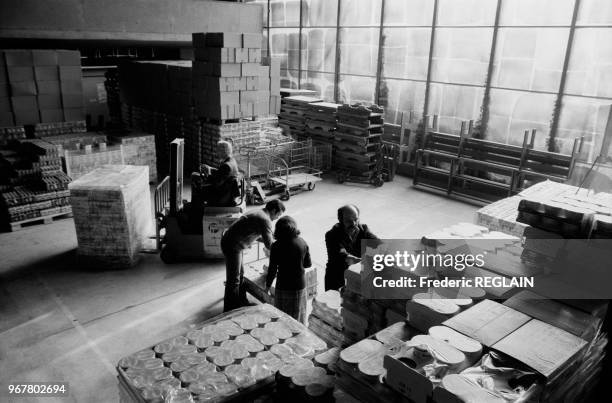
(112, 208)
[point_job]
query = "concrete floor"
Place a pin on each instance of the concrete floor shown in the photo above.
(63, 322)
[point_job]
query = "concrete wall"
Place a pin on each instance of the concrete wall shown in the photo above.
(124, 20)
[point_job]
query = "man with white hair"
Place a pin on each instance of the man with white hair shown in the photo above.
(221, 181)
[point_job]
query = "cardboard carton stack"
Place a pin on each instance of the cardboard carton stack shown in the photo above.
(43, 130)
(111, 223)
(293, 114)
(45, 86)
(228, 76)
(274, 64)
(35, 188)
(139, 149)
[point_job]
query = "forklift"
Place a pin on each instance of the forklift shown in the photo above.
(180, 233)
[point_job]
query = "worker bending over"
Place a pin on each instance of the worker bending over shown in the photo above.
(343, 243)
(239, 236)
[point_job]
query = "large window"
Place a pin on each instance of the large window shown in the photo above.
(509, 65)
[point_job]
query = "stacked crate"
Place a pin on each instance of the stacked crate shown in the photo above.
(226, 76)
(10, 134)
(45, 86)
(321, 121)
(358, 139)
(111, 214)
(293, 114)
(34, 185)
(326, 320)
(43, 130)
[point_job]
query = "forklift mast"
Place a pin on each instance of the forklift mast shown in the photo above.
(177, 151)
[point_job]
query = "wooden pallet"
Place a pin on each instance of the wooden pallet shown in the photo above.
(48, 219)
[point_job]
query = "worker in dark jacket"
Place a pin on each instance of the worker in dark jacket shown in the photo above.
(221, 183)
(239, 236)
(343, 244)
(289, 257)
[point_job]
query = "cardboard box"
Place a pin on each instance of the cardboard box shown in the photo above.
(44, 57)
(255, 55)
(68, 58)
(5, 104)
(275, 86)
(262, 108)
(20, 73)
(51, 115)
(241, 83)
(487, 322)
(72, 114)
(27, 117)
(545, 348)
(24, 103)
(71, 87)
(6, 119)
(70, 73)
(247, 110)
(198, 40)
(264, 96)
(264, 71)
(263, 83)
(215, 55)
(227, 98)
(226, 70)
(19, 58)
(252, 40)
(242, 55)
(23, 88)
(223, 40)
(201, 69)
(48, 87)
(249, 97)
(49, 101)
(72, 100)
(46, 73)
(250, 69)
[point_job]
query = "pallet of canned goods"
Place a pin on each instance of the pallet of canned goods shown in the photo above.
(236, 356)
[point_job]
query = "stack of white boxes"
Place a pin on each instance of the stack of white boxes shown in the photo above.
(229, 80)
(112, 214)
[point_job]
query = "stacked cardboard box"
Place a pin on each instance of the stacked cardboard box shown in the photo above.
(45, 85)
(82, 161)
(139, 149)
(111, 214)
(293, 114)
(274, 83)
(34, 186)
(229, 80)
(42, 130)
(9, 134)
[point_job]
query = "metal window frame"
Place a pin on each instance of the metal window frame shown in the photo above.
(484, 117)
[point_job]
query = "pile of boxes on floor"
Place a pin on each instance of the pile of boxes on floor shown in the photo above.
(32, 182)
(229, 80)
(111, 215)
(467, 347)
(40, 86)
(238, 356)
(204, 99)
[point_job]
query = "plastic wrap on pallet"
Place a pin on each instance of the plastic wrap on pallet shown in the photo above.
(111, 207)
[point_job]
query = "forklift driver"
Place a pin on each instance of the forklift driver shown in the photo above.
(220, 188)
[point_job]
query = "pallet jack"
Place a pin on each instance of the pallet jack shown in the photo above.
(179, 224)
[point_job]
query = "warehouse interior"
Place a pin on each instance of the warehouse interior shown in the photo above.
(445, 126)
